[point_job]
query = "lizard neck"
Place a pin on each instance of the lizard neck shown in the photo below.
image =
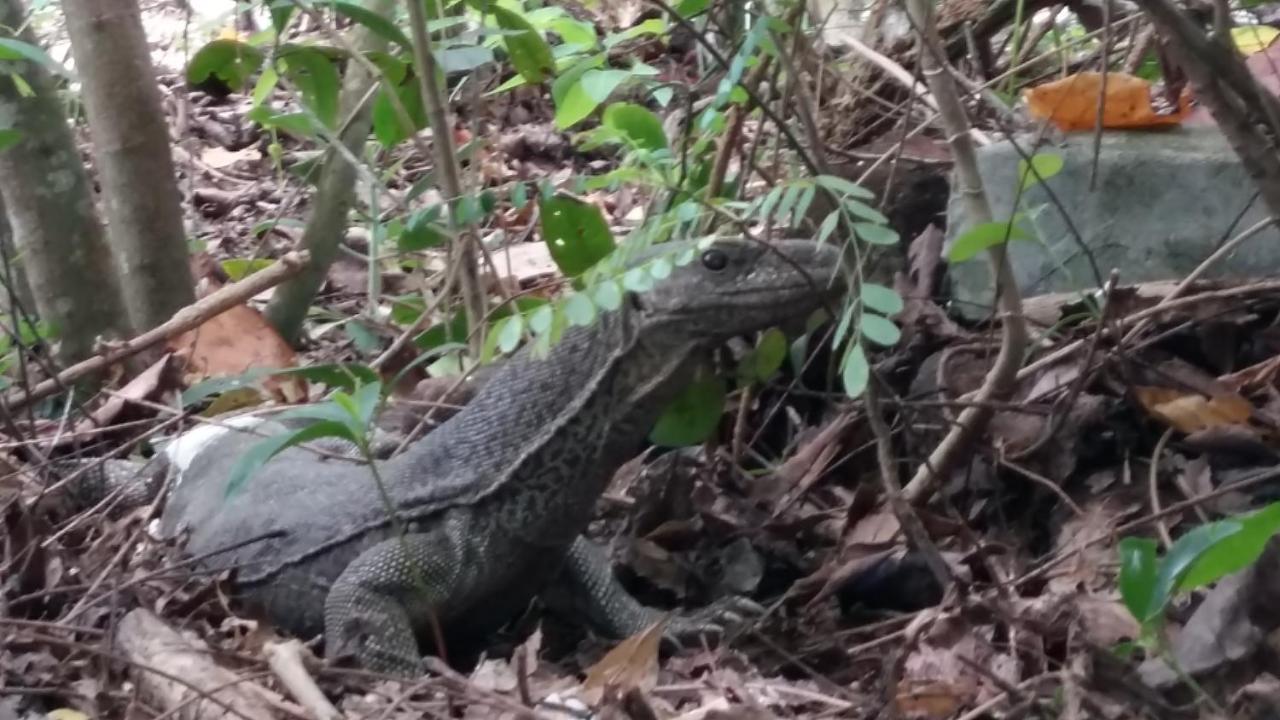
(567, 422)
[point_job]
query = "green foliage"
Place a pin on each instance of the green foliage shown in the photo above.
(983, 236)
(575, 232)
(529, 52)
(694, 415)
(345, 415)
(639, 127)
(14, 49)
(28, 335)
(231, 61)
(1206, 554)
(1042, 166)
(765, 358)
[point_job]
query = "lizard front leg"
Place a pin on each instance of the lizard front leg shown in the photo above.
(589, 586)
(371, 608)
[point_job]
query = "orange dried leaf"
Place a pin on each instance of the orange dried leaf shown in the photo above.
(1072, 102)
(633, 663)
(237, 340)
(1190, 412)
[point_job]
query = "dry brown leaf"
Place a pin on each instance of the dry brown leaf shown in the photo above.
(931, 698)
(1072, 102)
(237, 340)
(1189, 412)
(798, 473)
(633, 663)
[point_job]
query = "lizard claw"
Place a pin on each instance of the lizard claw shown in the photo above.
(713, 620)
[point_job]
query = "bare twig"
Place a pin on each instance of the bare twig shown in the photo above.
(1000, 380)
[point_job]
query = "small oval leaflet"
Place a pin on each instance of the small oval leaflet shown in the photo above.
(881, 299)
(876, 234)
(579, 309)
(855, 371)
(660, 268)
(608, 295)
(983, 236)
(540, 319)
(879, 329)
(637, 280)
(508, 332)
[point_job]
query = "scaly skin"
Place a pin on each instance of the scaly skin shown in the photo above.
(494, 501)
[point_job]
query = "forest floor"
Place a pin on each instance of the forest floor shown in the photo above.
(1145, 420)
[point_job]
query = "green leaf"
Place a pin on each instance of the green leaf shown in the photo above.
(575, 32)
(1180, 558)
(983, 236)
(376, 23)
(13, 49)
(341, 376)
(637, 124)
(530, 54)
(1045, 165)
(881, 299)
(240, 268)
(579, 309)
(600, 84)
(205, 389)
(258, 455)
(9, 137)
(508, 331)
(295, 123)
(231, 61)
(1233, 552)
(879, 329)
(769, 354)
(875, 233)
(840, 186)
(863, 210)
(387, 125)
(661, 268)
(367, 397)
(802, 206)
(576, 105)
(787, 204)
(576, 234)
(421, 231)
(637, 280)
(464, 59)
(693, 416)
(316, 76)
(540, 319)
(855, 371)
(1137, 575)
(608, 295)
(688, 8)
(828, 226)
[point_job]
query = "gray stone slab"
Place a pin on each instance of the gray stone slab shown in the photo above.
(1163, 201)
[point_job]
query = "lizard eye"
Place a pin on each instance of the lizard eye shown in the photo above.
(715, 260)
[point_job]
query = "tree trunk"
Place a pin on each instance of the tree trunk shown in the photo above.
(46, 193)
(334, 191)
(131, 148)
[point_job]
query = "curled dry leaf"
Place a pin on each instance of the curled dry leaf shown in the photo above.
(632, 664)
(1072, 103)
(1190, 412)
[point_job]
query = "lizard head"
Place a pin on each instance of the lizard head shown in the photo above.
(737, 286)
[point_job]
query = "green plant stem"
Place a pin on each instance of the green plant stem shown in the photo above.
(463, 251)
